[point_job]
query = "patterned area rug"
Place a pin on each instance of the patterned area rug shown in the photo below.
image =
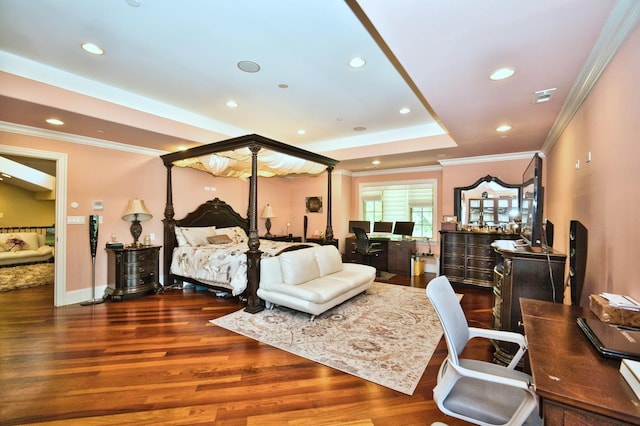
(386, 336)
(14, 277)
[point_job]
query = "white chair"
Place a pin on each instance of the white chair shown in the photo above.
(477, 391)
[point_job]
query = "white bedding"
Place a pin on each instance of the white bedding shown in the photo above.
(222, 265)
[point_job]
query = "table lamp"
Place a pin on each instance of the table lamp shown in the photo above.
(136, 212)
(267, 214)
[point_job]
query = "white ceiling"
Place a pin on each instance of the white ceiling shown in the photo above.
(170, 67)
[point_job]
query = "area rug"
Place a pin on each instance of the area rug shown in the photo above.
(386, 336)
(23, 276)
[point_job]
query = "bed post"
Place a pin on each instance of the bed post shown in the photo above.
(329, 231)
(254, 303)
(169, 229)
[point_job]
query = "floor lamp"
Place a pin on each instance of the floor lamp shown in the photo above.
(93, 242)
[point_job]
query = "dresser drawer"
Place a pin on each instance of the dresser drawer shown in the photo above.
(481, 251)
(481, 263)
(133, 281)
(139, 268)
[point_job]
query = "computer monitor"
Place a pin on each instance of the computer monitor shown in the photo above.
(382, 226)
(403, 228)
(364, 224)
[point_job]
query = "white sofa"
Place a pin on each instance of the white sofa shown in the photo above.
(33, 249)
(312, 280)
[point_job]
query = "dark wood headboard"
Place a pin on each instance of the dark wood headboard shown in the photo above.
(211, 213)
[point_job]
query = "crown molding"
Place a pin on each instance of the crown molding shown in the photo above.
(622, 20)
(82, 140)
(421, 169)
(527, 155)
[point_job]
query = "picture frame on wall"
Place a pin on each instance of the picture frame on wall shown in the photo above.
(313, 204)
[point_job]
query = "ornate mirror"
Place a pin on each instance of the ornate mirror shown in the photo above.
(488, 202)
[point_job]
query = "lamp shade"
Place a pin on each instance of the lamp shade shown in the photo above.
(136, 211)
(267, 212)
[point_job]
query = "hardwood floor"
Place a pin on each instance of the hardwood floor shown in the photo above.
(158, 360)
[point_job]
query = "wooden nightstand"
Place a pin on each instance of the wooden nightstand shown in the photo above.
(132, 271)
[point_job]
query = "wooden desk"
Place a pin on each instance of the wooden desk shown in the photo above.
(576, 385)
(395, 256)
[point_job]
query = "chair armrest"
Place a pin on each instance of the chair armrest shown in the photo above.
(520, 384)
(505, 336)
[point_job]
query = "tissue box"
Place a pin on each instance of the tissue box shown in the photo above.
(448, 226)
(600, 306)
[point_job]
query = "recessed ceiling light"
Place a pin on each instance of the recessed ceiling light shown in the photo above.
(301, 132)
(502, 73)
(405, 110)
(232, 104)
(133, 3)
(375, 162)
(248, 66)
(503, 128)
(357, 62)
(283, 85)
(55, 121)
(92, 48)
(360, 128)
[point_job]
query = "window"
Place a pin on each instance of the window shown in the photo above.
(401, 201)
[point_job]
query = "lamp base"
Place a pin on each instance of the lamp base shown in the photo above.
(267, 224)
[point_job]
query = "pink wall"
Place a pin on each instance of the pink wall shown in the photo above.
(602, 194)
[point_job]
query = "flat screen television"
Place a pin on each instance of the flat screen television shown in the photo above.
(531, 203)
(403, 228)
(364, 224)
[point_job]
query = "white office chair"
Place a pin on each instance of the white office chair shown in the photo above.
(477, 391)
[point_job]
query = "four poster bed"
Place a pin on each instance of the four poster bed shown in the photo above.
(246, 156)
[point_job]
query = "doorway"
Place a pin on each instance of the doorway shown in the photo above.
(59, 290)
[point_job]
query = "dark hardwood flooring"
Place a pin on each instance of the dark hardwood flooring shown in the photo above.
(158, 360)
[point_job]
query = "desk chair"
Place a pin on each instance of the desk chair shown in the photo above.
(366, 248)
(477, 391)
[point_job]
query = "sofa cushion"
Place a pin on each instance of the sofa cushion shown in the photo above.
(328, 259)
(319, 290)
(299, 266)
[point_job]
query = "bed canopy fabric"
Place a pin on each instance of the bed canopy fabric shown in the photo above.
(237, 163)
(249, 157)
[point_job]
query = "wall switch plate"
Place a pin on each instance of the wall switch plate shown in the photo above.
(75, 220)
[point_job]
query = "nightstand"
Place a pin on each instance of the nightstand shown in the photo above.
(132, 271)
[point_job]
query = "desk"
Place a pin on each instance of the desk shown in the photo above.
(395, 256)
(576, 385)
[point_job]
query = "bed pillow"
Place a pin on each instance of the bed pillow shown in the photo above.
(236, 233)
(182, 241)
(219, 239)
(197, 236)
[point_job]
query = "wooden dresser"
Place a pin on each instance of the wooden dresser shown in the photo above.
(468, 258)
(132, 271)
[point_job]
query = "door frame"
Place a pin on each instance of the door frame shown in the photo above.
(59, 289)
